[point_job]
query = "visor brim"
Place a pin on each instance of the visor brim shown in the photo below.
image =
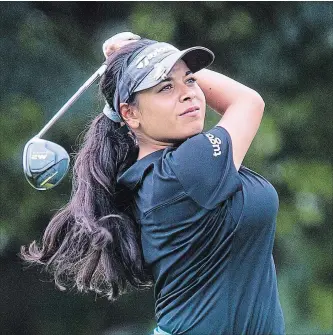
(196, 58)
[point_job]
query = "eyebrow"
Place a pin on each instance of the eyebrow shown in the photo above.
(170, 78)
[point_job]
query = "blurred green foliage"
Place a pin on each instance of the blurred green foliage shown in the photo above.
(281, 49)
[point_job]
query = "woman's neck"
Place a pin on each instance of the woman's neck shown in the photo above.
(146, 150)
(150, 145)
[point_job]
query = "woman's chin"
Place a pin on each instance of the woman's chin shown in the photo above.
(194, 129)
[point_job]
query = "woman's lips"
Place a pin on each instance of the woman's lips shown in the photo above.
(190, 111)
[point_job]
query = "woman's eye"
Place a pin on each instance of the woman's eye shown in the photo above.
(165, 88)
(191, 80)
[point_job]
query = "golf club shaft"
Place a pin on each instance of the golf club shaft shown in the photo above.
(70, 102)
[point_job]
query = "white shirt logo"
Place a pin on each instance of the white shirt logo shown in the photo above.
(216, 142)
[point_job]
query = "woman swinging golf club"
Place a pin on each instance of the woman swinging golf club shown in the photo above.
(158, 201)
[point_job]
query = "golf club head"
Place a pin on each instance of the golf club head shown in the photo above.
(45, 163)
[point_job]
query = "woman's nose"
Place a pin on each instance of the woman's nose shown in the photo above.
(187, 93)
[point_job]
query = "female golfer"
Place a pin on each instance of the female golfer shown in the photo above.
(157, 200)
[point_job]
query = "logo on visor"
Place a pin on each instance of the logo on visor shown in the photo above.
(145, 60)
(216, 142)
(159, 71)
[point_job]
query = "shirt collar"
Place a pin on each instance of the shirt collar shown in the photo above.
(133, 176)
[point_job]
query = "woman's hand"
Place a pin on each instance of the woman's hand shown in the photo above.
(117, 41)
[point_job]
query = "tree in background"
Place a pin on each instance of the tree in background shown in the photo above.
(282, 49)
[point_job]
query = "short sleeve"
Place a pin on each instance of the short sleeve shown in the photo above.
(204, 166)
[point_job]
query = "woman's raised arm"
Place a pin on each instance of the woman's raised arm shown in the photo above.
(240, 106)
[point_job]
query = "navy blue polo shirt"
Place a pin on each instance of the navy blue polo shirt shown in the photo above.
(207, 233)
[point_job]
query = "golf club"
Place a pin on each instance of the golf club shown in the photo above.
(46, 163)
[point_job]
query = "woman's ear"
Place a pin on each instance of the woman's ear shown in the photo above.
(130, 114)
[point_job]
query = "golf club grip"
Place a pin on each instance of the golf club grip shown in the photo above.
(70, 102)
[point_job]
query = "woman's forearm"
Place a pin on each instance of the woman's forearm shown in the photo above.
(222, 92)
(241, 109)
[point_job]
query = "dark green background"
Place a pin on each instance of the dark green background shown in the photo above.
(281, 49)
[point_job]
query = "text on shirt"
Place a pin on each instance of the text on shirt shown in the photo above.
(216, 142)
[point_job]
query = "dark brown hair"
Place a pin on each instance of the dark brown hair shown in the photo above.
(93, 243)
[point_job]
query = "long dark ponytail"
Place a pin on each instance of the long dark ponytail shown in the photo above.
(93, 243)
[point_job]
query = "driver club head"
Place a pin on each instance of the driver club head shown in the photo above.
(45, 163)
